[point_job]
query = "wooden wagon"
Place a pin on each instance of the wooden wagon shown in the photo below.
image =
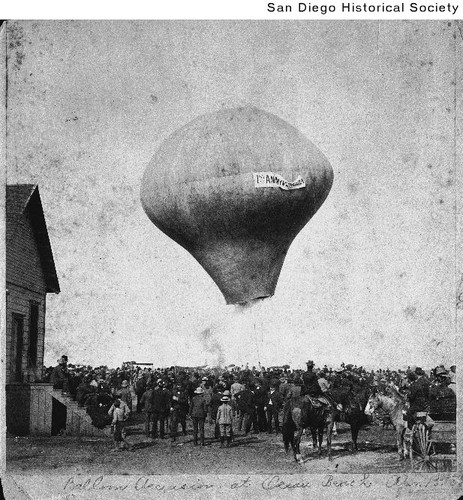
(432, 439)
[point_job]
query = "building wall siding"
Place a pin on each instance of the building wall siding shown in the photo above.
(18, 302)
(23, 266)
(25, 282)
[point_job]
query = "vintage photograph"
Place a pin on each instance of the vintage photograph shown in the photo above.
(231, 248)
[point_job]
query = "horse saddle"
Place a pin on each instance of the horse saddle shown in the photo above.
(319, 401)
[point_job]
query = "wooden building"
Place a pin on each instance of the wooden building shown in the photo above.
(30, 275)
(32, 406)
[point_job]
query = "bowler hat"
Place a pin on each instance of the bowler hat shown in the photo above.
(199, 390)
(225, 399)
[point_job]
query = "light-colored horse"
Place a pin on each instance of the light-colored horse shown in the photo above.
(394, 406)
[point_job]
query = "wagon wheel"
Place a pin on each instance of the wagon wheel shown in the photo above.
(422, 452)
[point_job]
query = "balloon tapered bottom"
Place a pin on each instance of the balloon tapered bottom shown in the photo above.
(244, 270)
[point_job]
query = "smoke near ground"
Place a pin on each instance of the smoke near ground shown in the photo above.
(212, 347)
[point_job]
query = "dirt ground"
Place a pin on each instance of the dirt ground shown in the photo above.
(253, 454)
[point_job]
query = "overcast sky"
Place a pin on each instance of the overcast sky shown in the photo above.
(371, 278)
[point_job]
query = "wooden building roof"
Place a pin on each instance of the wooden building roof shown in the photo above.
(24, 199)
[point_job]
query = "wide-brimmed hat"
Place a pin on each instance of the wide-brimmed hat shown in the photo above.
(125, 383)
(199, 390)
(225, 399)
(441, 371)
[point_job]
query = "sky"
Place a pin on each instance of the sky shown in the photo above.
(370, 280)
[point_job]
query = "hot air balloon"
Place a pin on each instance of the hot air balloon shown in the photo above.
(234, 188)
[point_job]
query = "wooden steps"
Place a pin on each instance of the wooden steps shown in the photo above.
(78, 422)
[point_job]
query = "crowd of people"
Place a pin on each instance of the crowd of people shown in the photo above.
(253, 397)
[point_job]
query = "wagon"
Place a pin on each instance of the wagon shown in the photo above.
(432, 439)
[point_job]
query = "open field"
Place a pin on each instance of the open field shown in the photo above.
(253, 454)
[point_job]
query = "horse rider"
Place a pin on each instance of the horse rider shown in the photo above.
(310, 379)
(341, 390)
(312, 387)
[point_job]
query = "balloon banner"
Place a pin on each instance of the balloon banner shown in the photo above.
(269, 179)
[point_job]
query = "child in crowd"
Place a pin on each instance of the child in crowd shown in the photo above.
(117, 426)
(225, 420)
(120, 415)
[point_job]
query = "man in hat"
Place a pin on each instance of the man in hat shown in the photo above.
(235, 389)
(225, 420)
(126, 395)
(441, 389)
(260, 395)
(161, 408)
(273, 407)
(207, 387)
(146, 402)
(140, 387)
(284, 386)
(217, 393)
(198, 413)
(418, 395)
(310, 379)
(323, 382)
(179, 411)
(59, 375)
(247, 407)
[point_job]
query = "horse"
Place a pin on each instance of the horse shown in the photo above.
(394, 406)
(301, 413)
(355, 416)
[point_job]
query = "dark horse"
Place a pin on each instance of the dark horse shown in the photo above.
(354, 415)
(300, 413)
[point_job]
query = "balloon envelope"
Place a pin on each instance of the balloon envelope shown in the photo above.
(200, 189)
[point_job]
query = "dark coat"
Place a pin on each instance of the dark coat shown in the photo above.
(284, 389)
(277, 400)
(161, 400)
(419, 395)
(311, 385)
(260, 395)
(147, 400)
(140, 386)
(215, 403)
(58, 375)
(198, 408)
(180, 403)
(246, 401)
